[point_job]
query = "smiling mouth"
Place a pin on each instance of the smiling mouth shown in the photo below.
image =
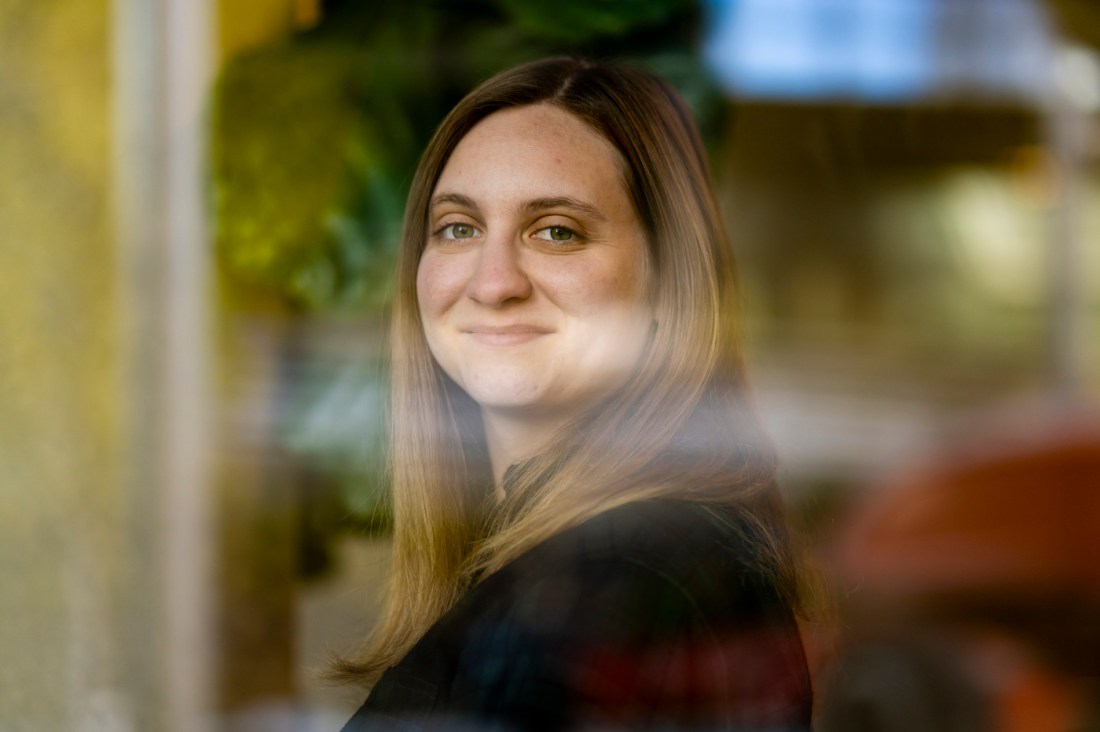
(508, 335)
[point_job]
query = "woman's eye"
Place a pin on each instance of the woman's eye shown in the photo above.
(557, 233)
(458, 231)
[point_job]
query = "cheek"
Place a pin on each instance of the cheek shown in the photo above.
(622, 283)
(586, 283)
(438, 285)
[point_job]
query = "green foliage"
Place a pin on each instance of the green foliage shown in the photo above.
(581, 21)
(315, 139)
(284, 126)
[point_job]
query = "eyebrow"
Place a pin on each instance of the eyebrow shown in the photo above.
(541, 204)
(533, 206)
(455, 198)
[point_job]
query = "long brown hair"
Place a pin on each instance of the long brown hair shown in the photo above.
(682, 428)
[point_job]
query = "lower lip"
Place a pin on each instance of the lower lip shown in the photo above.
(506, 339)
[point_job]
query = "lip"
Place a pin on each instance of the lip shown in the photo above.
(506, 335)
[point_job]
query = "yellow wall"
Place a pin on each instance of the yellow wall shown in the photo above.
(61, 371)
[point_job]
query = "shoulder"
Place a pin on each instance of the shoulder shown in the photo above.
(682, 548)
(647, 614)
(641, 574)
(649, 610)
(643, 527)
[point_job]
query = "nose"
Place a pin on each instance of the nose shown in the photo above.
(499, 277)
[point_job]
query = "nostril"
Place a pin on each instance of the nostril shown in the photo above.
(497, 289)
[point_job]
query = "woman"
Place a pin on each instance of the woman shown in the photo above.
(587, 529)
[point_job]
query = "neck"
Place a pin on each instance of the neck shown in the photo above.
(512, 439)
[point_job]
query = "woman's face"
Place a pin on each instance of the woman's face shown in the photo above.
(533, 282)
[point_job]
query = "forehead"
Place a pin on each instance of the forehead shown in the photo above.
(532, 149)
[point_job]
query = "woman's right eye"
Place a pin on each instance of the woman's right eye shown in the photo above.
(458, 231)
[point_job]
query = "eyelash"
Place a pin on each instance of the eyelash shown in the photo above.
(442, 230)
(575, 237)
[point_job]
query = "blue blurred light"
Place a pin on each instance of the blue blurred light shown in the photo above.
(877, 50)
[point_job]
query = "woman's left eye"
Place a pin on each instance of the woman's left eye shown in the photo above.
(557, 234)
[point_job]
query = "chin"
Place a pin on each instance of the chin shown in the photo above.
(518, 394)
(517, 402)
(539, 405)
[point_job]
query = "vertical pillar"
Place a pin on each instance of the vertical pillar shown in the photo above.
(1068, 124)
(162, 74)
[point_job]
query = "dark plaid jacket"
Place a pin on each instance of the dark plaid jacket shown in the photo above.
(648, 616)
